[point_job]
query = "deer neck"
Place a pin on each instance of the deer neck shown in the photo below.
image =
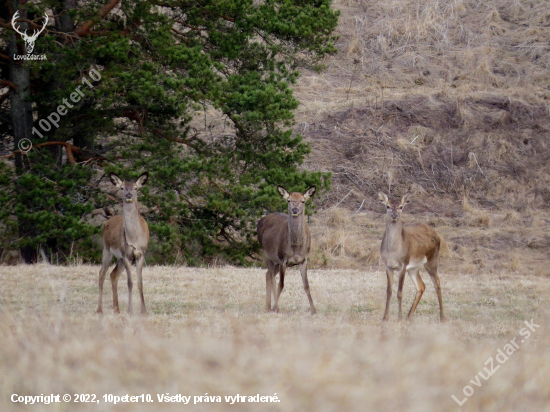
(297, 230)
(132, 222)
(394, 235)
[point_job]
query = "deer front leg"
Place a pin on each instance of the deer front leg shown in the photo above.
(303, 272)
(282, 270)
(274, 282)
(128, 267)
(268, 291)
(269, 284)
(400, 291)
(389, 275)
(107, 257)
(114, 283)
(139, 268)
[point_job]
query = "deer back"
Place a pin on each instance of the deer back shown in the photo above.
(421, 240)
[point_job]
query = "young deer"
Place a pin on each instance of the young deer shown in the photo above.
(286, 241)
(406, 248)
(126, 237)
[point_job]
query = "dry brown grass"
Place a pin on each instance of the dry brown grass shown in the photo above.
(476, 242)
(448, 100)
(207, 332)
(445, 99)
(458, 47)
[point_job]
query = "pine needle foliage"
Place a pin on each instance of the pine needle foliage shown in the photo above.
(161, 64)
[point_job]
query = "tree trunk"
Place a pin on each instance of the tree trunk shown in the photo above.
(21, 112)
(64, 23)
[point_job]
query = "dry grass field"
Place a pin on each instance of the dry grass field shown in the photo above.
(446, 99)
(207, 332)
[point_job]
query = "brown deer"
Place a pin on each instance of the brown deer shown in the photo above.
(126, 237)
(286, 240)
(406, 248)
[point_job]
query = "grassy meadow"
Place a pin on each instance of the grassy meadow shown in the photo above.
(207, 332)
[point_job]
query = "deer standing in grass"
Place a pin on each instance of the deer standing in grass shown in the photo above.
(126, 237)
(286, 240)
(406, 248)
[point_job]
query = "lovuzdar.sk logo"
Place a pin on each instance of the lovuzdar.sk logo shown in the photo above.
(29, 40)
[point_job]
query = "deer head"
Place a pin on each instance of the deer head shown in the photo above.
(394, 208)
(130, 188)
(29, 40)
(296, 201)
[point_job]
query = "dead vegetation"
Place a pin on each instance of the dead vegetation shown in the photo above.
(476, 241)
(448, 100)
(205, 334)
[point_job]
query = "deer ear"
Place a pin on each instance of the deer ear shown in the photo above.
(142, 179)
(310, 192)
(115, 180)
(406, 199)
(383, 197)
(283, 192)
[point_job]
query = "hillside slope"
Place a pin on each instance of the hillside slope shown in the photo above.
(448, 100)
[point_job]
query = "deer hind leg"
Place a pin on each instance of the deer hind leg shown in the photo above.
(282, 270)
(431, 267)
(389, 275)
(272, 269)
(400, 292)
(128, 266)
(139, 267)
(107, 257)
(420, 287)
(115, 273)
(303, 272)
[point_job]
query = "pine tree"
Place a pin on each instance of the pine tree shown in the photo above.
(142, 71)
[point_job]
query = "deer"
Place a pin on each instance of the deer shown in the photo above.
(406, 248)
(29, 40)
(286, 241)
(125, 237)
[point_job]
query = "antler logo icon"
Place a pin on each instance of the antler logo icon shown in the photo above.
(29, 40)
